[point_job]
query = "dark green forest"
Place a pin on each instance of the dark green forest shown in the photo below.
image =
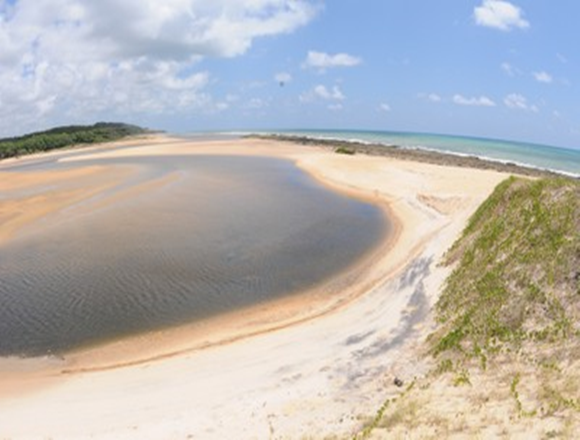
(61, 137)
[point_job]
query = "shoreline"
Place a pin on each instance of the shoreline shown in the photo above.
(423, 155)
(318, 356)
(230, 327)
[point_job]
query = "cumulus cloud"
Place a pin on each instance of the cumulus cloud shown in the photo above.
(322, 92)
(543, 77)
(500, 14)
(481, 101)
(323, 61)
(384, 107)
(431, 97)
(519, 102)
(69, 60)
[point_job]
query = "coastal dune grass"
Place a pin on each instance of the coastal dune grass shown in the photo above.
(516, 283)
(505, 352)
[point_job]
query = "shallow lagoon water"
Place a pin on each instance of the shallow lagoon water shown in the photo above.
(214, 235)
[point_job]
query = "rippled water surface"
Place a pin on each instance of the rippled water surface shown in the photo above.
(217, 233)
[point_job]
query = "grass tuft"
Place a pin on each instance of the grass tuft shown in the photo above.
(345, 150)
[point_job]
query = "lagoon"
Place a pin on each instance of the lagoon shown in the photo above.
(199, 236)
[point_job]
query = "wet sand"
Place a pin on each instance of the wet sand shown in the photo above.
(302, 366)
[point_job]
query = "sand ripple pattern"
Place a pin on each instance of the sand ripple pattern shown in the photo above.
(229, 232)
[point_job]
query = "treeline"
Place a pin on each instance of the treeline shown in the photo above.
(66, 136)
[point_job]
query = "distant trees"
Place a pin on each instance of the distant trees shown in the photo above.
(66, 136)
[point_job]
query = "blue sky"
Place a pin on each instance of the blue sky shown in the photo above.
(486, 68)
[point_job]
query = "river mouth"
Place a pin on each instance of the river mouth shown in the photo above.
(185, 238)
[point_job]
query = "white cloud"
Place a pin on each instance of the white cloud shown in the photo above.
(384, 107)
(431, 97)
(500, 14)
(519, 102)
(509, 69)
(282, 78)
(516, 101)
(221, 106)
(255, 104)
(482, 101)
(75, 60)
(434, 97)
(322, 61)
(322, 92)
(543, 77)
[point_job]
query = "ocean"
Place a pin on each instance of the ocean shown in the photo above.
(562, 160)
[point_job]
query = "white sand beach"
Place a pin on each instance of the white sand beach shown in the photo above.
(304, 367)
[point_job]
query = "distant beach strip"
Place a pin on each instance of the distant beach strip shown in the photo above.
(499, 155)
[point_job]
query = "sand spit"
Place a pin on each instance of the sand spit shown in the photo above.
(416, 155)
(310, 374)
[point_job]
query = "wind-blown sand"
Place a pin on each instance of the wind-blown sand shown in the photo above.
(297, 368)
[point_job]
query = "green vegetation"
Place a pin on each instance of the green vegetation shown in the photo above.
(345, 150)
(508, 324)
(514, 297)
(517, 281)
(405, 412)
(66, 136)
